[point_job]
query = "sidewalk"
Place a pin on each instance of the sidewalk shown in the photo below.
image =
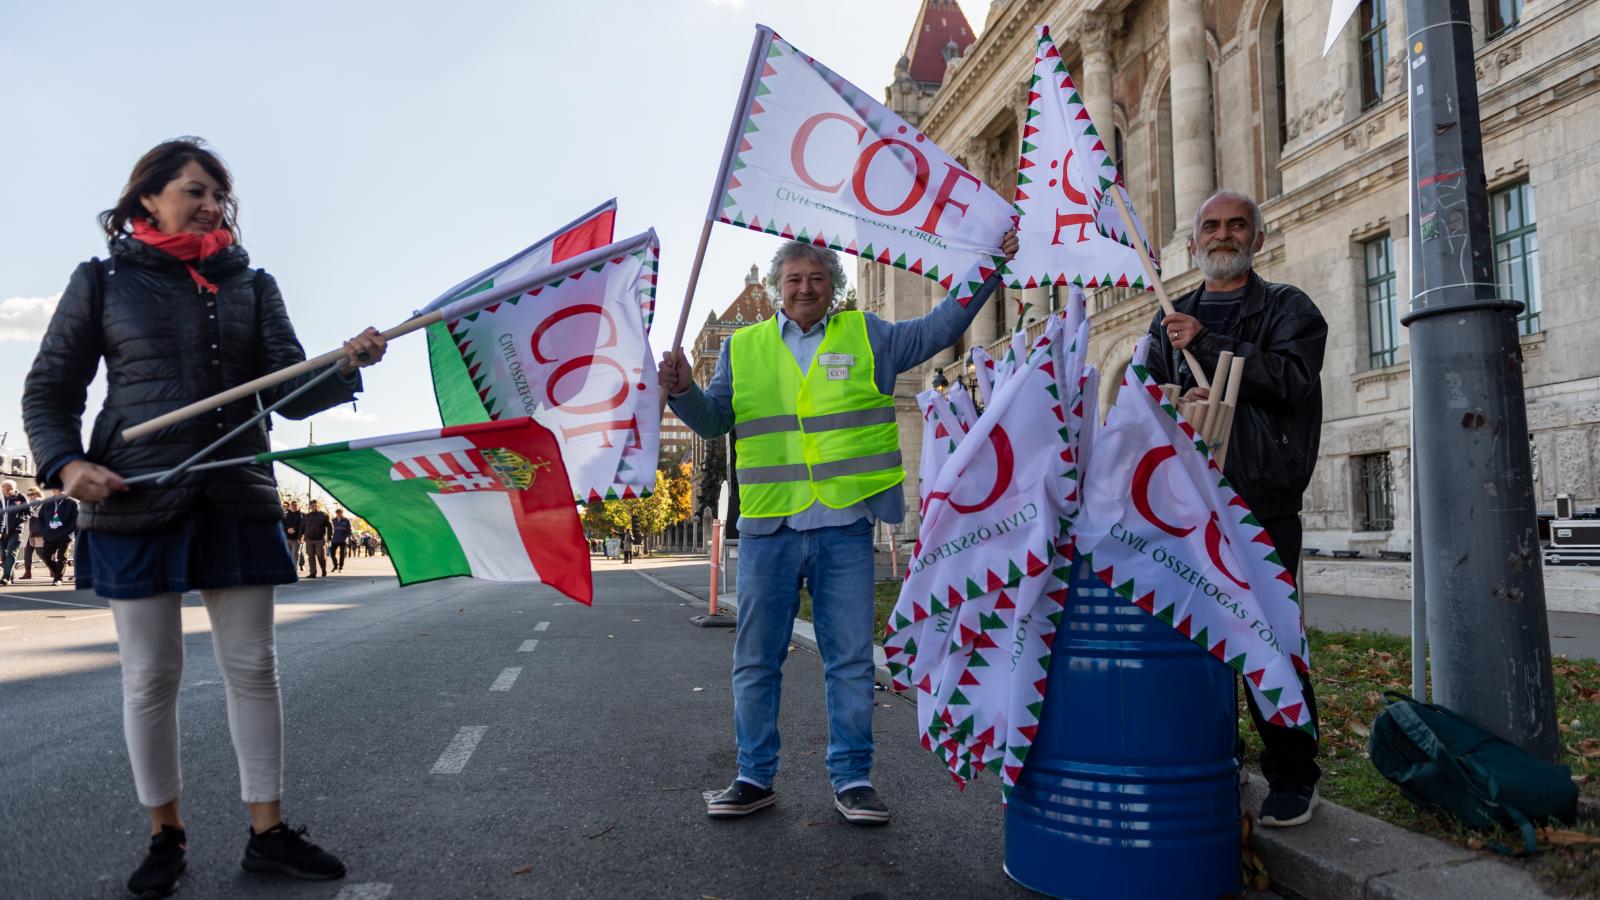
(1341, 853)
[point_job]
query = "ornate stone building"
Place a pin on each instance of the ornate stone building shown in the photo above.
(1201, 94)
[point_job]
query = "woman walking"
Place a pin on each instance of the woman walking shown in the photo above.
(177, 314)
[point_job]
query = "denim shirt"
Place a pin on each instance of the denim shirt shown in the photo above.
(896, 347)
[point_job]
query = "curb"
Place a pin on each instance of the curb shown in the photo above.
(1345, 855)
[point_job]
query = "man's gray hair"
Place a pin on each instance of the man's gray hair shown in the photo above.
(9, 483)
(1255, 211)
(800, 250)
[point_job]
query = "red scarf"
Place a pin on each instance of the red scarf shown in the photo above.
(186, 246)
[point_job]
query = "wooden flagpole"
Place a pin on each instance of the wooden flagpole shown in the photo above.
(1155, 280)
(184, 413)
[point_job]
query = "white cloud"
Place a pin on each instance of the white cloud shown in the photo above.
(24, 318)
(731, 4)
(346, 413)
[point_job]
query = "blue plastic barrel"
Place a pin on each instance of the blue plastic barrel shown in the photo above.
(1131, 790)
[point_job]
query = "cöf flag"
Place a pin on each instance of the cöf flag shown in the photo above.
(983, 594)
(487, 500)
(571, 349)
(813, 158)
(1162, 527)
(452, 388)
(1069, 229)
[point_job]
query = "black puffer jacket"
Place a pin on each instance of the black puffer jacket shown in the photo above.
(1278, 427)
(166, 344)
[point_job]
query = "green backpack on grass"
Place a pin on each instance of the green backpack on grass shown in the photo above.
(1444, 762)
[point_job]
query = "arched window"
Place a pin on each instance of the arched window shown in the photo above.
(1274, 99)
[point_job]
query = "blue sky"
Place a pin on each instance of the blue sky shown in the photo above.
(384, 151)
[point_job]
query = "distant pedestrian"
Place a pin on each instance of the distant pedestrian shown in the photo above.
(175, 315)
(316, 527)
(32, 544)
(294, 532)
(339, 539)
(53, 528)
(12, 515)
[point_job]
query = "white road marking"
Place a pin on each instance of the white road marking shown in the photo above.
(542, 626)
(43, 600)
(454, 758)
(8, 627)
(667, 587)
(89, 616)
(371, 890)
(507, 678)
(528, 645)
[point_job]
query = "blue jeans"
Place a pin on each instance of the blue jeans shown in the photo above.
(836, 564)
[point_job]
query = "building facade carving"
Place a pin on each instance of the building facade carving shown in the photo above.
(1335, 184)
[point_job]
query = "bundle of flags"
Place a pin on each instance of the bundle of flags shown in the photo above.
(974, 625)
(1012, 497)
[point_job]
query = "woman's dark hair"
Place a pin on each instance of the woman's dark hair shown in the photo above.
(156, 169)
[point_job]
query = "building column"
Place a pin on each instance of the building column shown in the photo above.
(1193, 149)
(1096, 31)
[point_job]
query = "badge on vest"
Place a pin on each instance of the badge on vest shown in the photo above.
(838, 373)
(836, 359)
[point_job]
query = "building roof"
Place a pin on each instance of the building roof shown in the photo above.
(750, 307)
(940, 24)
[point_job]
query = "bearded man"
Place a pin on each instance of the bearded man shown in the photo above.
(1281, 335)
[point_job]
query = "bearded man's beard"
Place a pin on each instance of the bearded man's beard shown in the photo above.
(1223, 266)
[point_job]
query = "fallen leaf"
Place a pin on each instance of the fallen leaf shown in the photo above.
(1373, 699)
(1356, 726)
(523, 870)
(1474, 843)
(1590, 748)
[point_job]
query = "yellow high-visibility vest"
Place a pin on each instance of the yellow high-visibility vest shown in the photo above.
(828, 434)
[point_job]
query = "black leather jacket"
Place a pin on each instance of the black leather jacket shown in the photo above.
(166, 344)
(1278, 426)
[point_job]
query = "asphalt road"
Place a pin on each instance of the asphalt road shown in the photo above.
(588, 753)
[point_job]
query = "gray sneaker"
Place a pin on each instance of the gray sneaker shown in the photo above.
(738, 799)
(861, 806)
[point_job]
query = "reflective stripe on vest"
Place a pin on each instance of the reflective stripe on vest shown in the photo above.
(803, 438)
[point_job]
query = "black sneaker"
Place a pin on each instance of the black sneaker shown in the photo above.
(861, 806)
(1288, 807)
(158, 875)
(285, 852)
(739, 799)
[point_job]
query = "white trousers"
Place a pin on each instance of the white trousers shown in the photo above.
(150, 642)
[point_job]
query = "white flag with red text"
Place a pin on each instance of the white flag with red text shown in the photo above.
(1069, 228)
(984, 590)
(1162, 527)
(815, 159)
(571, 349)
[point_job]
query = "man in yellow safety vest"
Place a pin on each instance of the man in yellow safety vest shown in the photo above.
(809, 396)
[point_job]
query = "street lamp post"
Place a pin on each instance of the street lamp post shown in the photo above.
(1478, 563)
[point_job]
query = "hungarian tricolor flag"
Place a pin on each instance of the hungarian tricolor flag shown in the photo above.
(452, 386)
(488, 500)
(1070, 230)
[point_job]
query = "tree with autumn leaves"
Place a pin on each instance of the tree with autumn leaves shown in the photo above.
(647, 515)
